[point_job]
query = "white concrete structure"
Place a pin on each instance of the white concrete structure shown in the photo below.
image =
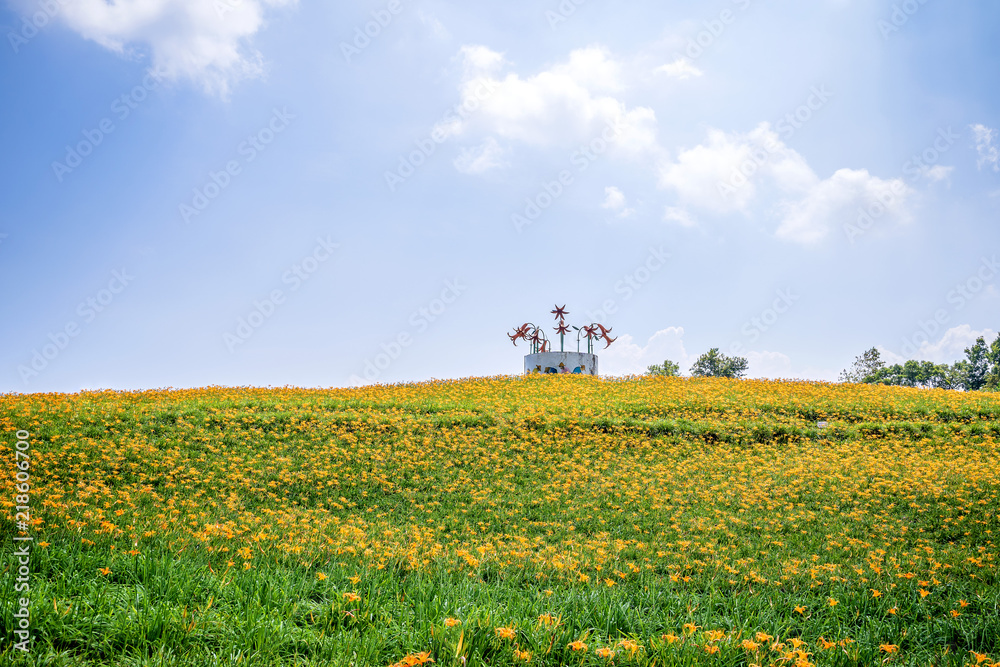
(580, 363)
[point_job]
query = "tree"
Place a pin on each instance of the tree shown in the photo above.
(715, 364)
(865, 366)
(953, 377)
(666, 369)
(923, 374)
(979, 366)
(993, 378)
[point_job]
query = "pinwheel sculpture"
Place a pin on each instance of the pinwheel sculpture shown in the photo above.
(534, 335)
(594, 332)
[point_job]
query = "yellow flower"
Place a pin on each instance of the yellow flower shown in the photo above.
(892, 611)
(955, 613)
(923, 593)
(801, 609)
(690, 628)
(670, 639)
(605, 653)
(825, 643)
(980, 657)
(714, 635)
(629, 645)
(523, 656)
(876, 593)
(888, 648)
(832, 602)
(577, 645)
(352, 596)
(506, 633)
(548, 619)
(749, 645)
(105, 571)
(320, 576)
(452, 622)
(712, 649)
(418, 659)
(963, 604)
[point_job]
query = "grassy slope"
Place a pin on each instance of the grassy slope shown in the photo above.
(246, 526)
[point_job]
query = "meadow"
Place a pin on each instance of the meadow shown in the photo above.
(547, 520)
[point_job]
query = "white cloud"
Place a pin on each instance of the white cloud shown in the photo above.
(709, 175)
(482, 158)
(989, 154)
(769, 365)
(614, 199)
(206, 41)
(436, 27)
(593, 68)
(680, 216)
(937, 173)
(568, 103)
(626, 357)
(733, 173)
(836, 200)
(682, 69)
(478, 60)
(949, 349)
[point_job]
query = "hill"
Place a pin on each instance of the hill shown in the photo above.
(543, 520)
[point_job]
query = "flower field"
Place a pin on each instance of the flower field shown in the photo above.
(553, 520)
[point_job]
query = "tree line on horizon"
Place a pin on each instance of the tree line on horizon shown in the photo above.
(711, 364)
(979, 371)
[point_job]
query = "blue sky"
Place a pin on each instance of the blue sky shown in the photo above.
(272, 192)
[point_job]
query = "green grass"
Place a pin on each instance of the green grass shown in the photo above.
(714, 505)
